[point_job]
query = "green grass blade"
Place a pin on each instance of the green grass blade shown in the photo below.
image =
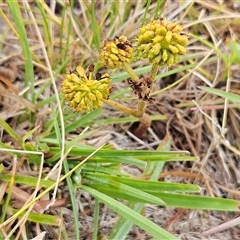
(175, 200)
(26, 180)
(39, 218)
(10, 131)
(131, 215)
(115, 193)
(198, 202)
(142, 154)
(70, 145)
(230, 96)
(123, 226)
(95, 26)
(235, 48)
(153, 186)
(29, 73)
(95, 168)
(123, 188)
(82, 121)
(68, 178)
(125, 120)
(124, 160)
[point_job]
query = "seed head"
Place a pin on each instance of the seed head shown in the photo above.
(161, 42)
(115, 52)
(84, 93)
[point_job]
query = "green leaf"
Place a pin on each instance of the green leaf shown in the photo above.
(40, 218)
(27, 180)
(9, 130)
(125, 189)
(141, 154)
(27, 55)
(152, 186)
(33, 158)
(4, 147)
(230, 96)
(134, 157)
(131, 215)
(82, 121)
(235, 51)
(198, 202)
(153, 169)
(70, 145)
(176, 200)
(124, 120)
(108, 170)
(28, 134)
(114, 193)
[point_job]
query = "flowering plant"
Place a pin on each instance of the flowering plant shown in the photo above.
(159, 41)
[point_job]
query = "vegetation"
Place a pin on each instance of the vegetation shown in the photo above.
(109, 109)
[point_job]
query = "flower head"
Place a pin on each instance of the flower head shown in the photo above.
(161, 42)
(84, 93)
(115, 52)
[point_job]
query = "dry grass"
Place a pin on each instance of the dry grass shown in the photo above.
(198, 127)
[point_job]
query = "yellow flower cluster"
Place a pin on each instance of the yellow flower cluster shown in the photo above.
(84, 93)
(115, 52)
(161, 42)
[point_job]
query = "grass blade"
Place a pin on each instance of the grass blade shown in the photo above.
(131, 215)
(29, 73)
(230, 96)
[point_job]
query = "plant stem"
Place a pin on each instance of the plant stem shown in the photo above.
(130, 71)
(122, 108)
(153, 72)
(144, 124)
(141, 107)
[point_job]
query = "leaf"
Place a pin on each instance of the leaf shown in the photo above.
(27, 180)
(39, 218)
(125, 189)
(230, 96)
(131, 215)
(235, 51)
(198, 202)
(14, 8)
(9, 130)
(152, 186)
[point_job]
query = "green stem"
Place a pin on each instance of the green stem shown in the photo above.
(130, 71)
(141, 107)
(122, 108)
(153, 71)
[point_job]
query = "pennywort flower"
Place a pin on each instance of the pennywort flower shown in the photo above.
(161, 42)
(115, 52)
(84, 93)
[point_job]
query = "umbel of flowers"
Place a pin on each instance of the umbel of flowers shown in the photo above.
(82, 92)
(114, 53)
(159, 41)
